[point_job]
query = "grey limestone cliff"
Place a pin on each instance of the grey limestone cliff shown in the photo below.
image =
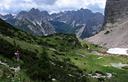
(116, 11)
(115, 29)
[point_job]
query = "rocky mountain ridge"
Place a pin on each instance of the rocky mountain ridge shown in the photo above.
(84, 23)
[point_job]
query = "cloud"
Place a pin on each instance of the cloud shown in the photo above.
(95, 8)
(14, 6)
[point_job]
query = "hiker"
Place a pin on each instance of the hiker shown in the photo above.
(17, 54)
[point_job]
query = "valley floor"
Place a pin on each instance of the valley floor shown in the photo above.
(101, 65)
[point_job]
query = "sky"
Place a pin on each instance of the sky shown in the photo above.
(52, 6)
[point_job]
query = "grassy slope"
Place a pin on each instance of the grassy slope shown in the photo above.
(57, 56)
(42, 59)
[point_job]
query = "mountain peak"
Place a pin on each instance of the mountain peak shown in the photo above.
(34, 10)
(44, 13)
(8, 15)
(85, 10)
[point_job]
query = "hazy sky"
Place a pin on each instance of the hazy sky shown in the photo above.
(14, 6)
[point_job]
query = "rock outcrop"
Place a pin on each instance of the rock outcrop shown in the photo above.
(115, 29)
(116, 11)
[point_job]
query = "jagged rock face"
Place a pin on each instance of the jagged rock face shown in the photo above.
(116, 25)
(116, 11)
(84, 23)
(34, 14)
(33, 21)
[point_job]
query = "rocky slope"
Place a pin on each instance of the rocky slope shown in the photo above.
(83, 22)
(32, 21)
(115, 27)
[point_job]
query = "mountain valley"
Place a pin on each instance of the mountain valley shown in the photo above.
(70, 46)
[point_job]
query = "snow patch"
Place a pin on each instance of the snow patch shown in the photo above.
(118, 65)
(119, 51)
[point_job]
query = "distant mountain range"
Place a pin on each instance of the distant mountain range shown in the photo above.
(84, 23)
